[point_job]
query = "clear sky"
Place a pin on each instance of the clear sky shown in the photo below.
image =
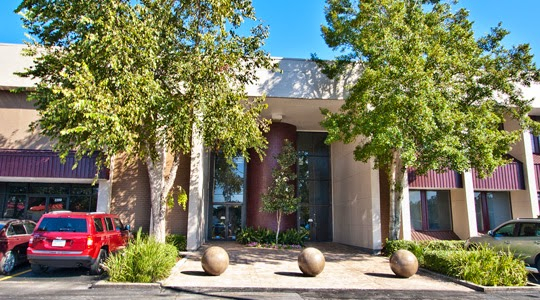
(295, 24)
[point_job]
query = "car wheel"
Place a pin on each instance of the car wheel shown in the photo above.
(7, 263)
(38, 269)
(96, 268)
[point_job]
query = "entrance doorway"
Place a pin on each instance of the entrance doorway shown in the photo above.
(227, 213)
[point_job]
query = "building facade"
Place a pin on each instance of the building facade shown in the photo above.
(342, 200)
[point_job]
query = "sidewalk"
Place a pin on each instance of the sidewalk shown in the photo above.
(275, 270)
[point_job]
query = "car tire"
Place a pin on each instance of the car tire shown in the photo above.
(96, 268)
(38, 269)
(8, 262)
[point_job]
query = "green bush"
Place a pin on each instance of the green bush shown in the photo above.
(482, 266)
(144, 260)
(177, 240)
(261, 236)
(419, 247)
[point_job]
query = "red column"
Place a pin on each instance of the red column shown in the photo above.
(259, 178)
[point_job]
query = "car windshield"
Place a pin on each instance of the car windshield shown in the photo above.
(63, 224)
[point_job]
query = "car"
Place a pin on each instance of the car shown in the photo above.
(14, 237)
(521, 236)
(66, 239)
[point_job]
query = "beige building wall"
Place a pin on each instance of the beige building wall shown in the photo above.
(460, 222)
(356, 200)
(16, 114)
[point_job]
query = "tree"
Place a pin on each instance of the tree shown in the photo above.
(145, 79)
(428, 95)
(280, 197)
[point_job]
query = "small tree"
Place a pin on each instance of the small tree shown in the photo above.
(280, 197)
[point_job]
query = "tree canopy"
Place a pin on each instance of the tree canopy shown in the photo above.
(144, 77)
(428, 94)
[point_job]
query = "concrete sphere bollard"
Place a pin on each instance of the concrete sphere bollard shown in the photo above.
(311, 261)
(403, 263)
(215, 260)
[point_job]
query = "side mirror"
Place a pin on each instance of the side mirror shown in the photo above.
(490, 233)
(128, 227)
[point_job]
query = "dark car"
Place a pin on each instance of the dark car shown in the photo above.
(14, 237)
(76, 239)
(521, 236)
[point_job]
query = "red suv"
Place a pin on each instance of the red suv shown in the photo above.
(75, 239)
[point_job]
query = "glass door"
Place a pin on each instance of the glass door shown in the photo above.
(226, 221)
(227, 202)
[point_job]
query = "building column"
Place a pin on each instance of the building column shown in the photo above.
(104, 196)
(470, 217)
(406, 227)
(529, 175)
(196, 203)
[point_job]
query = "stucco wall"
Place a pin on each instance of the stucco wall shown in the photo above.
(16, 114)
(460, 223)
(356, 200)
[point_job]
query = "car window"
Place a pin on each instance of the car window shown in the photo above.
(18, 229)
(10, 231)
(118, 224)
(506, 230)
(63, 224)
(529, 229)
(29, 226)
(109, 224)
(98, 224)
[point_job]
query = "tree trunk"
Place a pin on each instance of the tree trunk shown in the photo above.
(161, 183)
(279, 214)
(395, 180)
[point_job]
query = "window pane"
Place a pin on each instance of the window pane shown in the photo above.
(499, 209)
(507, 230)
(63, 224)
(479, 215)
(416, 209)
(439, 217)
(98, 224)
(228, 180)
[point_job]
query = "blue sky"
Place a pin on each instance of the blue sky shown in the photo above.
(295, 24)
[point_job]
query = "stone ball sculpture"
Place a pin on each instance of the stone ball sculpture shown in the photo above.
(215, 261)
(403, 263)
(311, 262)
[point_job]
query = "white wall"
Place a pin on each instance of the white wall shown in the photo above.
(356, 200)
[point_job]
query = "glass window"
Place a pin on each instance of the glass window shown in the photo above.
(228, 180)
(29, 226)
(109, 224)
(507, 230)
(492, 209)
(15, 207)
(430, 210)
(416, 209)
(98, 224)
(118, 224)
(438, 210)
(19, 229)
(62, 224)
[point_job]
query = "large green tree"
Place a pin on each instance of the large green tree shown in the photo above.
(427, 95)
(145, 78)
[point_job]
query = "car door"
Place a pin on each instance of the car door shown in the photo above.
(503, 237)
(17, 238)
(528, 243)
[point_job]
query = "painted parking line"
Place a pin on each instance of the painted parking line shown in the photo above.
(14, 275)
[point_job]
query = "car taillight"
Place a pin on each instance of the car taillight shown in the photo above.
(31, 242)
(89, 242)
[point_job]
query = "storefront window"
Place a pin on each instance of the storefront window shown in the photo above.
(31, 200)
(430, 210)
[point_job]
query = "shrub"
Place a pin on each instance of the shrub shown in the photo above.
(262, 236)
(419, 247)
(177, 240)
(482, 266)
(144, 260)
